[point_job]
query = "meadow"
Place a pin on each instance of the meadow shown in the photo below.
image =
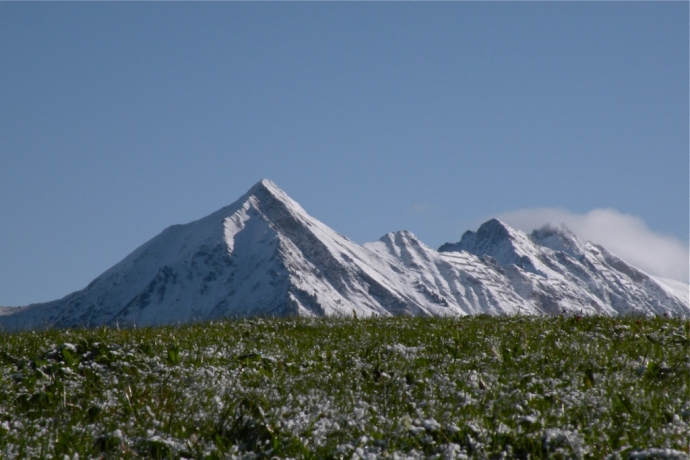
(402, 388)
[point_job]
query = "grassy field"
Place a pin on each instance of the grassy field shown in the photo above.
(476, 387)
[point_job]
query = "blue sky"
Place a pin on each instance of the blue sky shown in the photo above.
(120, 119)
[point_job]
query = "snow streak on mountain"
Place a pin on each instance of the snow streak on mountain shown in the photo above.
(264, 255)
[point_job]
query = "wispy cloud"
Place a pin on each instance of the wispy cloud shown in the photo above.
(625, 235)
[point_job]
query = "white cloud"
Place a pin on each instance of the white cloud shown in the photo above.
(625, 235)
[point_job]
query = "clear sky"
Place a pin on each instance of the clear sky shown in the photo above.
(120, 119)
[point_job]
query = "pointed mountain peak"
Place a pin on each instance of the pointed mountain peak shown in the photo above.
(500, 241)
(559, 238)
(404, 234)
(270, 195)
(267, 186)
(495, 229)
(490, 233)
(401, 237)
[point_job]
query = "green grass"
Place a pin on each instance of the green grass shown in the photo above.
(474, 387)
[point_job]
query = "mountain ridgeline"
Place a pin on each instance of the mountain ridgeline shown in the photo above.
(264, 255)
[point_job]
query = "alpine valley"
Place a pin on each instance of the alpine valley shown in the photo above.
(264, 255)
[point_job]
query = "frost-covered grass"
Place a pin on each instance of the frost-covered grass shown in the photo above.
(474, 387)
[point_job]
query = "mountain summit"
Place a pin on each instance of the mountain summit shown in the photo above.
(264, 255)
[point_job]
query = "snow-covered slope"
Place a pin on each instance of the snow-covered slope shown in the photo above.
(554, 271)
(457, 282)
(674, 288)
(264, 255)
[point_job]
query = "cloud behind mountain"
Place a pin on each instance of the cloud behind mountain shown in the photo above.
(625, 235)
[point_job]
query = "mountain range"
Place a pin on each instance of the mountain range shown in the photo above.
(264, 255)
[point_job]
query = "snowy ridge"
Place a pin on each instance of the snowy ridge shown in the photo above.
(553, 270)
(264, 255)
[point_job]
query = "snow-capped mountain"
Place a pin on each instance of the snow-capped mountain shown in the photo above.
(264, 255)
(554, 271)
